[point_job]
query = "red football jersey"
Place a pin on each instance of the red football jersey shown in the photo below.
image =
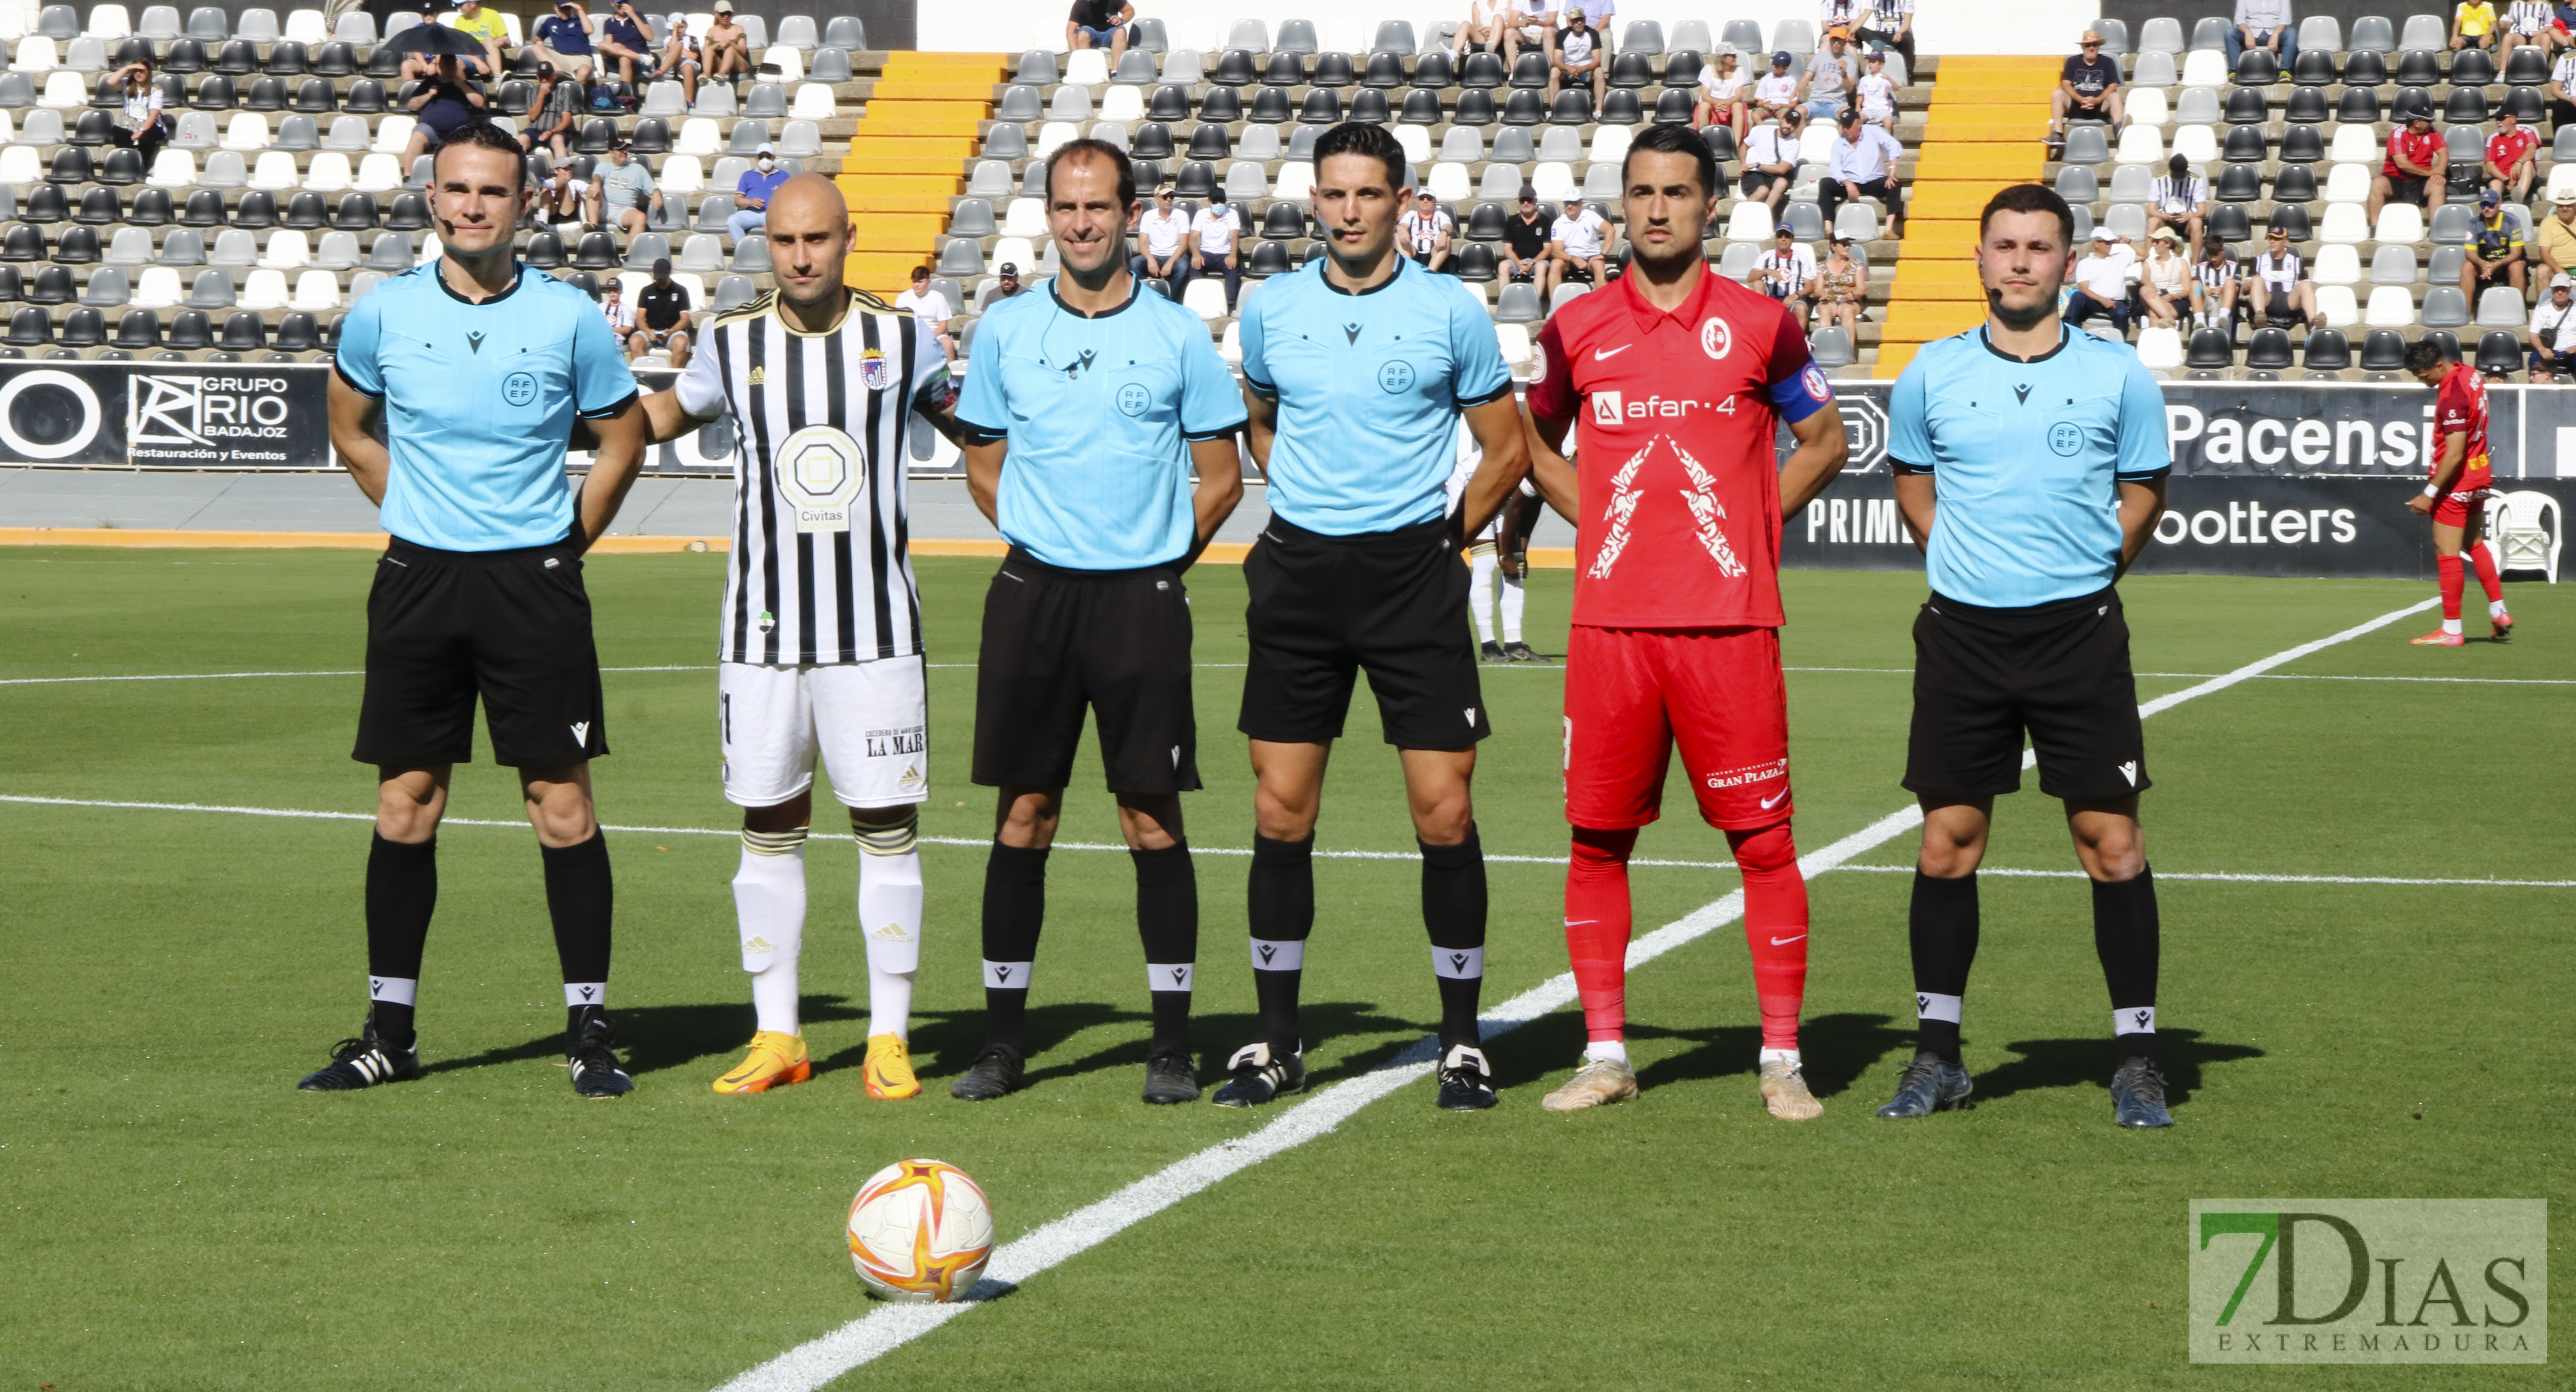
(1675, 454)
(2504, 148)
(2460, 405)
(2418, 150)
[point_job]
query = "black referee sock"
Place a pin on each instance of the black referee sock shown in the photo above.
(1281, 904)
(1453, 909)
(1014, 912)
(1941, 928)
(402, 892)
(580, 897)
(1167, 919)
(2128, 938)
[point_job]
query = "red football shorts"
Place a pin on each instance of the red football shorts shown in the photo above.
(2452, 509)
(1632, 694)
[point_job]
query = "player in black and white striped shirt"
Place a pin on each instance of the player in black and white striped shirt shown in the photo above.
(821, 636)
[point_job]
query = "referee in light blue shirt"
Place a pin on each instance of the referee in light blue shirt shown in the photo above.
(1357, 368)
(1087, 405)
(457, 388)
(2030, 465)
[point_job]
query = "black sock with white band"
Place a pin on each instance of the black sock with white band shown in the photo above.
(580, 898)
(1941, 929)
(1167, 920)
(2127, 937)
(402, 893)
(1281, 905)
(1453, 910)
(1014, 912)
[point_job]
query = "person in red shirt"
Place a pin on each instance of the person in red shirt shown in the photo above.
(2417, 165)
(2456, 499)
(1680, 379)
(2512, 158)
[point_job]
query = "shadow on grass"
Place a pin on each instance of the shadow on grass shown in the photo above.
(1835, 1049)
(2046, 1063)
(657, 1037)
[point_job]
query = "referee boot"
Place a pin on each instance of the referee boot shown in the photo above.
(1170, 1078)
(364, 1062)
(996, 1072)
(2138, 1095)
(1491, 651)
(590, 1052)
(1928, 1085)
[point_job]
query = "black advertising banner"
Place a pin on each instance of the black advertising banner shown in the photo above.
(229, 416)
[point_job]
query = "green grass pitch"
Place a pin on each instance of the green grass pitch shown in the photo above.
(178, 1216)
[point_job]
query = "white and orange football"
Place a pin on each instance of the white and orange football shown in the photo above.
(920, 1231)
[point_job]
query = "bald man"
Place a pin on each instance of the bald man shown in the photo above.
(820, 650)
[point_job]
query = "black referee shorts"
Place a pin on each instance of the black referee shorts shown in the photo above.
(1324, 607)
(1058, 641)
(511, 626)
(2060, 671)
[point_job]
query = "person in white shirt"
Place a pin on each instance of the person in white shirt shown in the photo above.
(1827, 87)
(2266, 24)
(1837, 14)
(1578, 248)
(1890, 22)
(140, 123)
(2179, 199)
(2101, 282)
(1777, 92)
(2529, 22)
(1875, 93)
(1163, 234)
(929, 305)
(2561, 90)
(1532, 24)
(2553, 334)
(1771, 159)
(620, 315)
(1787, 273)
(1721, 96)
(1213, 247)
(1575, 58)
(1482, 31)
(2278, 288)
(1862, 165)
(2164, 281)
(1423, 233)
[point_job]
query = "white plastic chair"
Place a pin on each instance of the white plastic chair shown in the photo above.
(2390, 307)
(2343, 223)
(287, 251)
(813, 102)
(1609, 144)
(1204, 298)
(1117, 104)
(2400, 222)
(1296, 182)
(698, 136)
(265, 288)
(19, 165)
(1750, 222)
(1448, 181)
(2160, 348)
(2146, 107)
(394, 134)
(157, 288)
(683, 174)
(329, 172)
(1415, 141)
(247, 132)
(2336, 265)
(1083, 67)
(2335, 304)
(1025, 217)
(1555, 181)
(36, 54)
(64, 91)
(2348, 183)
(275, 173)
(2206, 68)
(171, 169)
(2199, 144)
(1514, 341)
(107, 22)
(2525, 528)
(377, 173)
(2141, 145)
(308, 28)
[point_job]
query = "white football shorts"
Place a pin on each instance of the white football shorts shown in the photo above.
(868, 720)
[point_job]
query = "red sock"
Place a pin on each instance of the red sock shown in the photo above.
(1597, 918)
(1775, 927)
(2483, 557)
(2452, 583)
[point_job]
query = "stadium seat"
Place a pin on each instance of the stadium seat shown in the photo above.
(1518, 303)
(2499, 352)
(2204, 68)
(183, 247)
(2246, 107)
(2197, 106)
(2147, 106)
(2365, 69)
(2348, 183)
(2390, 307)
(2296, 183)
(2499, 306)
(2160, 348)
(2302, 145)
(2314, 67)
(2327, 351)
(2344, 223)
(1749, 223)
(2269, 351)
(2418, 68)
(2210, 349)
(2199, 144)
(2142, 144)
(2452, 224)
(2336, 305)
(2257, 67)
(1296, 36)
(2155, 70)
(2239, 183)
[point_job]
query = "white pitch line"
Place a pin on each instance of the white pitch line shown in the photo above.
(812, 1365)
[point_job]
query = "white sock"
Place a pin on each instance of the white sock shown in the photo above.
(1515, 600)
(890, 919)
(2495, 608)
(2450, 625)
(1480, 586)
(769, 907)
(1787, 1056)
(1614, 1050)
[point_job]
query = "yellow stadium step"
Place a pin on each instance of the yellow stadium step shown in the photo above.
(1998, 62)
(905, 60)
(1892, 358)
(868, 189)
(927, 88)
(1989, 163)
(882, 273)
(878, 231)
(959, 127)
(1944, 200)
(1918, 321)
(904, 154)
(1943, 236)
(974, 108)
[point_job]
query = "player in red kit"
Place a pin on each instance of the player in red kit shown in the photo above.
(1680, 379)
(2456, 499)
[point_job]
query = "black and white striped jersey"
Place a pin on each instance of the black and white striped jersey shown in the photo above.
(820, 571)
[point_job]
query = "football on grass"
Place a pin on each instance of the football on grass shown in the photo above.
(921, 1231)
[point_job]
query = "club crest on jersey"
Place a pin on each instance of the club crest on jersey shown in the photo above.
(1715, 337)
(821, 470)
(875, 373)
(1817, 389)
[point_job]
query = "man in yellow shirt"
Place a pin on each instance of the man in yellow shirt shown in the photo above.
(484, 23)
(2473, 24)
(2556, 235)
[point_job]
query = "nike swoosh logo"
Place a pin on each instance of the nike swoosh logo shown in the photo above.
(1771, 802)
(1784, 942)
(1600, 354)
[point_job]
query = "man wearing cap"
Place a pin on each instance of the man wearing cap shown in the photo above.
(1771, 160)
(1862, 165)
(1776, 93)
(1875, 93)
(2179, 199)
(2101, 283)
(2417, 165)
(554, 114)
(728, 47)
(1164, 233)
(2283, 295)
(1422, 233)
(1578, 246)
(1787, 273)
(752, 192)
(1890, 22)
(1574, 56)
(563, 39)
(661, 317)
(626, 39)
(622, 191)
(485, 23)
(2553, 334)
(2513, 158)
(1827, 87)
(1006, 283)
(930, 305)
(2088, 88)
(2262, 24)
(1099, 24)
(2556, 234)
(2494, 249)
(1525, 241)
(685, 58)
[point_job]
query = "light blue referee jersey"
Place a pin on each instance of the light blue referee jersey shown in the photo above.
(2028, 457)
(479, 403)
(1369, 387)
(1100, 411)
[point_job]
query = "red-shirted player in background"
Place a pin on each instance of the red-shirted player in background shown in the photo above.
(2456, 499)
(1681, 378)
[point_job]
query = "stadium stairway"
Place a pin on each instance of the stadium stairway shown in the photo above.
(1982, 131)
(907, 159)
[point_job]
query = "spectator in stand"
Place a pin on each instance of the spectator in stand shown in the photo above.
(2562, 25)
(2513, 158)
(1842, 287)
(1721, 96)
(1862, 165)
(2283, 296)
(752, 192)
(1164, 233)
(554, 113)
(1484, 28)
(1836, 14)
(2562, 89)
(2088, 88)
(2165, 282)
(2494, 250)
(1531, 24)
(1831, 74)
(1216, 247)
(485, 23)
(661, 317)
(622, 193)
(1006, 283)
(1525, 241)
(1574, 59)
(930, 305)
(728, 47)
(1423, 233)
(447, 100)
(1876, 93)
(2553, 334)
(683, 57)
(1890, 22)
(138, 123)
(2528, 22)
(563, 39)
(2556, 234)
(2263, 24)
(1099, 24)
(1578, 246)
(2179, 199)
(621, 315)
(2214, 285)
(626, 39)
(1771, 160)
(1777, 93)
(2417, 165)
(2472, 24)
(1787, 273)
(563, 193)
(2101, 282)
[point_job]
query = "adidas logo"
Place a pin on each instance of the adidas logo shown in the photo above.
(758, 944)
(911, 777)
(759, 377)
(893, 933)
